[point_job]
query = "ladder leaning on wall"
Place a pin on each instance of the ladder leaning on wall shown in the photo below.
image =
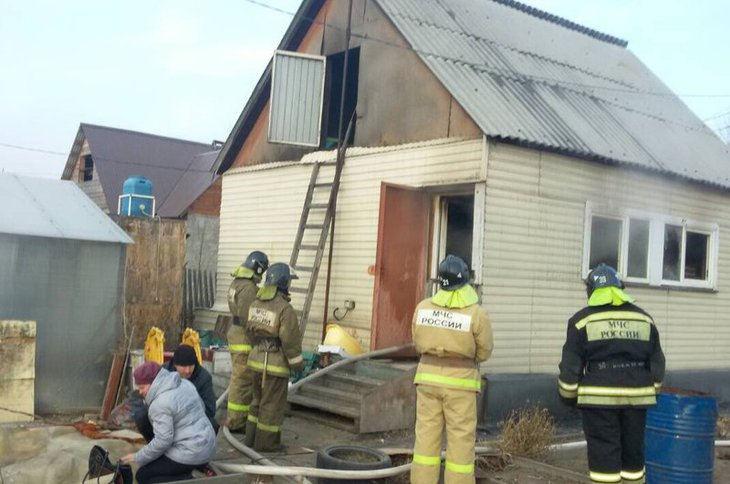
(317, 216)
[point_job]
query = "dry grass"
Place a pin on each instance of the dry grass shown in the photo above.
(527, 432)
(723, 427)
(494, 462)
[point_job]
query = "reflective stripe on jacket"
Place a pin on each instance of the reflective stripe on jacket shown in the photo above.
(274, 319)
(241, 294)
(612, 357)
(453, 342)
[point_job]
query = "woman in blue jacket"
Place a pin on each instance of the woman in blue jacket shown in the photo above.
(184, 438)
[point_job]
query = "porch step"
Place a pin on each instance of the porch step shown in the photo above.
(330, 393)
(351, 383)
(364, 396)
(328, 405)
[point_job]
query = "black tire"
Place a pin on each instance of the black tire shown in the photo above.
(351, 458)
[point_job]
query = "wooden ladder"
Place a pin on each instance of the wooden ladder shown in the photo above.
(315, 187)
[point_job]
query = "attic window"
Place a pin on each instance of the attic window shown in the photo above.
(88, 170)
(333, 93)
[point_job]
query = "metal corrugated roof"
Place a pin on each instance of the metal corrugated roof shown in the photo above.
(44, 207)
(196, 180)
(529, 77)
(119, 154)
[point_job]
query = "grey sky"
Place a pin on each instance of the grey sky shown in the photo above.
(185, 68)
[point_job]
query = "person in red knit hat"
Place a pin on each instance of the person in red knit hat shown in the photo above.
(183, 437)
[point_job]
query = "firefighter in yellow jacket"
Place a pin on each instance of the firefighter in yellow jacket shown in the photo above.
(453, 335)
(611, 367)
(276, 352)
(241, 294)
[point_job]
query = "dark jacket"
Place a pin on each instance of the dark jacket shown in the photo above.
(611, 358)
(203, 383)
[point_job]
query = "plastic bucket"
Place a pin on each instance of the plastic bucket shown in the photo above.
(336, 336)
(680, 438)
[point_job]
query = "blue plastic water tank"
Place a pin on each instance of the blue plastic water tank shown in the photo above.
(140, 206)
(680, 434)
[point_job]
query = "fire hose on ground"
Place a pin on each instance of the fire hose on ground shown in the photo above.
(271, 468)
(298, 472)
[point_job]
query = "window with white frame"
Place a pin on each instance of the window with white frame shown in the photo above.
(651, 248)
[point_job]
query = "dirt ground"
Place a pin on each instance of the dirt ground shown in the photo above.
(37, 453)
(304, 438)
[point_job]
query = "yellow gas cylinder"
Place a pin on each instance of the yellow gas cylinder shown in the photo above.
(336, 336)
(154, 345)
(192, 338)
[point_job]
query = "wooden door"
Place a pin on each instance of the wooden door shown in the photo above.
(400, 263)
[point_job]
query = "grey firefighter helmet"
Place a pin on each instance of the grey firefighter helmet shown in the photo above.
(280, 275)
(257, 261)
(602, 275)
(453, 273)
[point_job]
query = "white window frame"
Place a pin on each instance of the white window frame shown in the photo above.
(440, 222)
(657, 223)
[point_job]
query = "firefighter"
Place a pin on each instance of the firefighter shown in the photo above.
(453, 335)
(241, 294)
(612, 368)
(276, 352)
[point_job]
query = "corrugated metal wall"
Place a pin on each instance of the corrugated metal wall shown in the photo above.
(533, 242)
(535, 210)
(73, 290)
(261, 210)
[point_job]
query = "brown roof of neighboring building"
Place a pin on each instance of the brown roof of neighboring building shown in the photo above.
(179, 170)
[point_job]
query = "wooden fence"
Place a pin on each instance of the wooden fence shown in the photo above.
(154, 276)
(198, 292)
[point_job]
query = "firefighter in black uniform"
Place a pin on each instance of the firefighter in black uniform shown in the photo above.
(612, 367)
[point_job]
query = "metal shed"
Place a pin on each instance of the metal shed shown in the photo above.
(62, 265)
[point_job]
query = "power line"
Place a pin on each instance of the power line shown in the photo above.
(718, 115)
(27, 148)
(113, 160)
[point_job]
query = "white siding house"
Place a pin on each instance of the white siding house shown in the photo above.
(529, 145)
(536, 227)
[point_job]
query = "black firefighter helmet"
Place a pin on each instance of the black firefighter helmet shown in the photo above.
(453, 273)
(280, 275)
(602, 275)
(257, 261)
